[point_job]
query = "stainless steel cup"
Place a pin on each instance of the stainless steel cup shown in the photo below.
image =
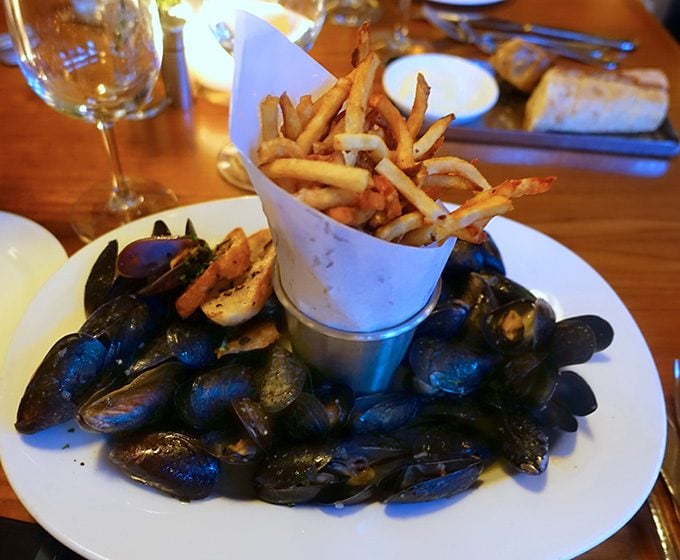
(364, 360)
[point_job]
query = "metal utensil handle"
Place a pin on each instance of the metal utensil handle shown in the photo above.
(624, 45)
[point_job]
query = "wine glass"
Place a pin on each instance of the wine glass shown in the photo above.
(95, 60)
(353, 12)
(300, 20)
(399, 42)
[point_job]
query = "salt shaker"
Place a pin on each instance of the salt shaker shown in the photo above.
(174, 68)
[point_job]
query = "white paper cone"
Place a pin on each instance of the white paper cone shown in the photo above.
(336, 275)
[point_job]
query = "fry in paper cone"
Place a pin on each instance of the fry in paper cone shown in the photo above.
(337, 275)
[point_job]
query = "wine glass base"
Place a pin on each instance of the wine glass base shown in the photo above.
(93, 213)
(389, 45)
(353, 13)
(231, 168)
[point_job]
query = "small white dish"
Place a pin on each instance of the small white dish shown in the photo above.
(458, 85)
(29, 255)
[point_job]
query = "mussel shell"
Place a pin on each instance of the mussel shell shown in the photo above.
(160, 229)
(193, 343)
(417, 483)
(255, 420)
(62, 381)
(231, 448)
(524, 442)
(141, 403)
(151, 256)
(383, 413)
(306, 418)
(446, 320)
(171, 462)
(574, 393)
(451, 367)
(602, 329)
(506, 289)
(104, 322)
(100, 280)
(338, 400)
(573, 342)
(293, 475)
(531, 378)
(282, 379)
(204, 401)
(469, 257)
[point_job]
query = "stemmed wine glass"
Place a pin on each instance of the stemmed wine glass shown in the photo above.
(400, 42)
(300, 20)
(95, 60)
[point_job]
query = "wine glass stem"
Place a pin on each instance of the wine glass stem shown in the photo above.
(121, 199)
(401, 30)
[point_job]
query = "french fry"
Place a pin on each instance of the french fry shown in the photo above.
(351, 178)
(363, 46)
(456, 165)
(400, 226)
(269, 118)
(429, 142)
(357, 100)
(326, 107)
(414, 121)
(402, 182)
(305, 110)
(323, 198)
(292, 126)
(363, 142)
(350, 215)
(277, 148)
(404, 151)
(474, 210)
(447, 182)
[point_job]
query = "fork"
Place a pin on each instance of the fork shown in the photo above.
(661, 504)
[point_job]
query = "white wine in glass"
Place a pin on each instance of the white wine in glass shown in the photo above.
(300, 20)
(95, 60)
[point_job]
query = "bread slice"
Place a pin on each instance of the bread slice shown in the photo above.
(575, 100)
(231, 259)
(521, 63)
(231, 303)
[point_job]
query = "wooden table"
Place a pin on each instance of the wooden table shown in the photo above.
(621, 214)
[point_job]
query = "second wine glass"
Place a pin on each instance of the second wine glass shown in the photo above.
(95, 60)
(299, 20)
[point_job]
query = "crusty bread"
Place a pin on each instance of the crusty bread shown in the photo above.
(521, 63)
(574, 100)
(230, 260)
(234, 302)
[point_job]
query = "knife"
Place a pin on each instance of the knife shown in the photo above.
(497, 24)
(670, 469)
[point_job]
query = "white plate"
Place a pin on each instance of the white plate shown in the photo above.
(597, 478)
(458, 85)
(29, 255)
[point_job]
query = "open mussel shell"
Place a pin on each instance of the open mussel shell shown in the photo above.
(473, 257)
(172, 462)
(151, 256)
(294, 475)
(574, 393)
(231, 447)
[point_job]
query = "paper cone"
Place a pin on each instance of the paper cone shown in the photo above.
(337, 275)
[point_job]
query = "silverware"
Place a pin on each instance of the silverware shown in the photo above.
(670, 469)
(462, 30)
(507, 26)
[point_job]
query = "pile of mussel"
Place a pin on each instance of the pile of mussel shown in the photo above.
(486, 379)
